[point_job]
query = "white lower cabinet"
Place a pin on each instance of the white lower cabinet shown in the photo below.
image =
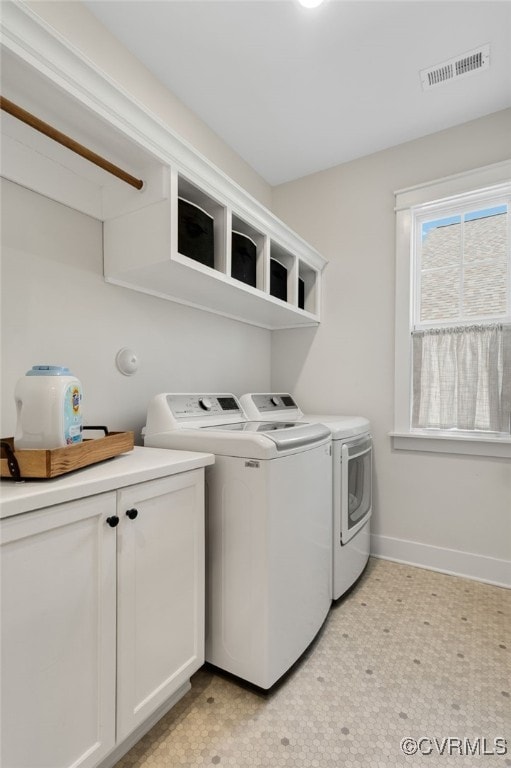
(160, 594)
(58, 570)
(102, 618)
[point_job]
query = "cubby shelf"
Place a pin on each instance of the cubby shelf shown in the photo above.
(141, 228)
(141, 252)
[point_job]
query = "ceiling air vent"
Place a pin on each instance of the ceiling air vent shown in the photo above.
(465, 64)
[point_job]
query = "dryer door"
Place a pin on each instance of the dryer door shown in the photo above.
(356, 483)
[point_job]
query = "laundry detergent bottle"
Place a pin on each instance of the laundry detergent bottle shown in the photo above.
(48, 408)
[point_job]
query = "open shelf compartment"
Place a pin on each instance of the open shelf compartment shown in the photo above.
(308, 288)
(201, 227)
(283, 277)
(247, 254)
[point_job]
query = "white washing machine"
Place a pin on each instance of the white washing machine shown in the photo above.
(352, 480)
(268, 568)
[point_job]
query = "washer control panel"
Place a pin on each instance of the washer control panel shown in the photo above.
(198, 405)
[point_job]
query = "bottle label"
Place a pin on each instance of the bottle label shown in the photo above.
(73, 415)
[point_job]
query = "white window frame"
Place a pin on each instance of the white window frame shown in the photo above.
(403, 437)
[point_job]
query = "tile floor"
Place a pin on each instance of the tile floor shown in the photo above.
(408, 653)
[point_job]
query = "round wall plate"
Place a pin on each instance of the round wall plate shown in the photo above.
(126, 361)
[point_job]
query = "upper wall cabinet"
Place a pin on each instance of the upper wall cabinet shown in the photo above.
(175, 226)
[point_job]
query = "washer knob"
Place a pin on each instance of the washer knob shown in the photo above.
(275, 400)
(205, 403)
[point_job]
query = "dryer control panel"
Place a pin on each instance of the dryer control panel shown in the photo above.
(270, 405)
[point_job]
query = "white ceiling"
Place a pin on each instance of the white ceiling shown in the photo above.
(295, 90)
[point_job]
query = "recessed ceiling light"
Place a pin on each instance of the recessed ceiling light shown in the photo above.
(310, 3)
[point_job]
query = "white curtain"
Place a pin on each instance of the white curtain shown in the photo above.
(462, 378)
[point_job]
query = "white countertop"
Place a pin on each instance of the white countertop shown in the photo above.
(137, 466)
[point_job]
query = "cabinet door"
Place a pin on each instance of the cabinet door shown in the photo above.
(58, 635)
(160, 593)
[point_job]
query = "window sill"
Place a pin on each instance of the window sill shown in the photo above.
(472, 445)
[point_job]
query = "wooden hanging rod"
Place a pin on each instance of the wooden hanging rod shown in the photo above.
(74, 146)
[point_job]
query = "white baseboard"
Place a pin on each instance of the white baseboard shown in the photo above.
(465, 564)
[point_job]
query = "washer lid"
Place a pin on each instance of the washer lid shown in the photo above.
(217, 424)
(285, 435)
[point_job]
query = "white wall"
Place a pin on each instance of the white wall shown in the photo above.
(347, 365)
(57, 309)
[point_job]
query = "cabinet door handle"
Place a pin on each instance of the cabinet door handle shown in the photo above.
(132, 513)
(112, 521)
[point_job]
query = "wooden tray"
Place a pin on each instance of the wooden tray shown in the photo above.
(43, 463)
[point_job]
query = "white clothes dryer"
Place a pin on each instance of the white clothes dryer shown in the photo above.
(268, 538)
(351, 480)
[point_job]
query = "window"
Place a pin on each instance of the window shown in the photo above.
(453, 314)
(462, 264)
